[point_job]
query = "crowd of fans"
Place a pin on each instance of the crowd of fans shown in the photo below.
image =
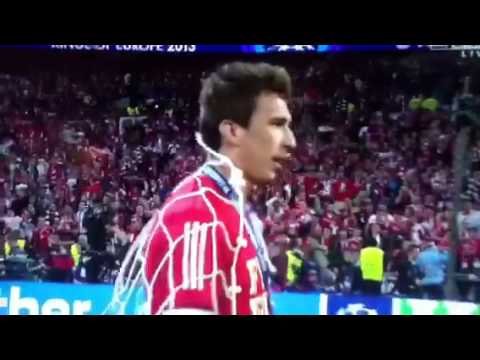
(85, 157)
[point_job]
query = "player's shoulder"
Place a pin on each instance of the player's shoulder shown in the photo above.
(193, 186)
(197, 193)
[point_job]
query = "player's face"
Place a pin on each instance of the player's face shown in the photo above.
(268, 142)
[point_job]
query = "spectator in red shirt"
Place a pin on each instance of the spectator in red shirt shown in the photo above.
(468, 262)
(61, 266)
(330, 219)
(328, 239)
(56, 170)
(41, 237)
(92, 188)
(344, 189)
(313, 187)
(441, 231)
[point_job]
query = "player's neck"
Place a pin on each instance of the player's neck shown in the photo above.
(225, 171)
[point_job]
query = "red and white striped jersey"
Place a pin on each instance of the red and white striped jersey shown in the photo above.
(200, 258)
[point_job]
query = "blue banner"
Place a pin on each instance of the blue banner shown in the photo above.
(19, 298)
(314, 48)
(23, 298)
(358, 305)
(295, 304)
(245, 49)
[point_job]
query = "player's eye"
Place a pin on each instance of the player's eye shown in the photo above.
(280, 122)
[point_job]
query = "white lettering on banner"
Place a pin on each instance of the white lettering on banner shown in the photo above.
(56, 307)
(17, 303)
(470, 54)
(130, 48)
(181, 48)
(82, 307)
(323, 304)
(81, 47)
(30, 306)
(144, 48)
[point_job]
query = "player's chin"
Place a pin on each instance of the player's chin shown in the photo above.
(265, 178)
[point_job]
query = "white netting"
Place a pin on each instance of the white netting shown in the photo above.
(133, 292)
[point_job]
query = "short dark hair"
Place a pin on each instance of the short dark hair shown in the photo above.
(231, 93)
(369, 241)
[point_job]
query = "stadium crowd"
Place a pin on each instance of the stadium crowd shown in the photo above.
(85, 158)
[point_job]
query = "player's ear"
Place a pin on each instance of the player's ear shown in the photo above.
(231, 133)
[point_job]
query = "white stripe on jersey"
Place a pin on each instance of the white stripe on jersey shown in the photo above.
(201, 263)
(193, 261)
(186, 255)
(194, 255)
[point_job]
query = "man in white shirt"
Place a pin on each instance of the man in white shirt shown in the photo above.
(382, 217)
(11, 221)
(468, 217)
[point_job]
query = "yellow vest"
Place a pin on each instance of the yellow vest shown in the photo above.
(7, 248)
(21, 244)
(133, 111)
(371, 263)
(430, 104)
(76, 252)
(294, 266)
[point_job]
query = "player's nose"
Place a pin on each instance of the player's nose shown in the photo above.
(290, 141)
